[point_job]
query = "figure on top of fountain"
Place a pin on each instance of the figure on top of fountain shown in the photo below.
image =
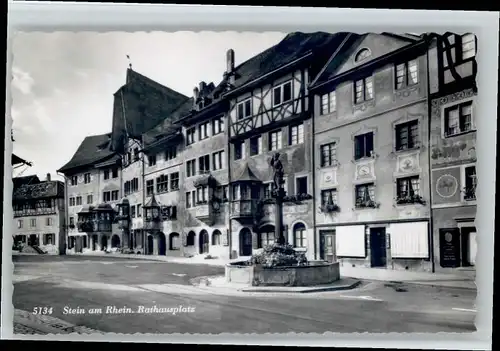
(279, 172)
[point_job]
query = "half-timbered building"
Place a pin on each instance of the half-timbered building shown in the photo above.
(269, 113)
(39, 215)
(92, 187)
(453, 150)
(371, 154)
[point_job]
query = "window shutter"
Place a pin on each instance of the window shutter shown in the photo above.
(225, 238)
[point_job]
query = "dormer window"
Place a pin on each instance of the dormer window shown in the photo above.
(362, 55)
(282, 93)
(244, 109)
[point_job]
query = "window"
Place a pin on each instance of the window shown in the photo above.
(106, 174)
(204, 164)
(49, 239)
(114, 172)
(406, 74)
(49, 221)
(328, 103)
(203, 130)
(282, 93)
(365, 194)
(239, 150)
(169, 212)
(189, 204)
(136, 154)
(244, 109)
(408, 187)
(328, 155)
(267, 237)
(363, 145)
(468, 46)
(90, 199)
(268, 190)
(275, 140)
(191, 168)
(139, 211)
(296, 134)
(150, 187)
(71, 221)
(407, 135)
(190, 136)
(458, 119)
(329, 197)
(114, 195)
(151, 160)
(364, 90)
(299, 235)
(470, 183)
(362, 54)
(170, 153)
(78, 200)
(132, 211)
(106, 196)
(174, 181)
(216, 237)
(74, 180)
(134, 185)
(72, 201)
(222, 192)
(236, 192)
(301, 185)
(202, 195)
(33, 222)
(217, 125)
(218, 161)
(162, 183)
(19, 223)
(255, 145)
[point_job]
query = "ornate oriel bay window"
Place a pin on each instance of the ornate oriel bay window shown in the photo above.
(85, 222)
(123, 217)
(152, 215)
(245, 194)
(103, 216)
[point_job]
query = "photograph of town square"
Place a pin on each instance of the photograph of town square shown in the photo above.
(317, 182)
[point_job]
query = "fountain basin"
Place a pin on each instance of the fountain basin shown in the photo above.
(315, 273)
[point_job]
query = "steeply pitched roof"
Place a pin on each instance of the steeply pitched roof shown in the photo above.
(140, 105)
(93, 149)
(42, 190)
(292, 47)
(20, 181)
(247, 175)
(16, 160)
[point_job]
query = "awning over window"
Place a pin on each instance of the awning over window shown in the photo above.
(350, 241)
(409, 240)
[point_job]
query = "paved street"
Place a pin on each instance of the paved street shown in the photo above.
(82, 283)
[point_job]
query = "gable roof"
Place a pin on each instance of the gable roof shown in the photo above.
(140, 105)
(293, 47)
(93, 149)
(42, 190)
(337, 63)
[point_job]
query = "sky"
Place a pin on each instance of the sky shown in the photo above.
(63, 83)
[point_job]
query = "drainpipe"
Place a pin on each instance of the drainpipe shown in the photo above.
(429, 125)
(313, 171)
(143, 177)
(66, 214)
(229, 192)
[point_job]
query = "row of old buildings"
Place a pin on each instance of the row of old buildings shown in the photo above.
(376, 134)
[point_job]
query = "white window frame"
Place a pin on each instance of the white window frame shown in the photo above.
(218, 160)
(364, 85)
(407, 71)
(74, 180)
(463, 43)
(204, 130)
(217, 125)
(259, 145)
(243, 102)
(19, 223)
(299, 128)
(190, 135)
(242, 146)
(190, 168)
(331, 103)
(463, 183)
(279, 141)
(281, 93)
(453, 104)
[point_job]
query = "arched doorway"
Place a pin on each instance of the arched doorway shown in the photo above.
(245, 242)
(173, 241)
(216, 237)
(204, 242)
(162, 244)
(115, 241)
(266, 236)
(151, 245)
(104, 242)
(95, 240)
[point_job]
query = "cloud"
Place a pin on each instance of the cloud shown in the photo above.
(22, 80)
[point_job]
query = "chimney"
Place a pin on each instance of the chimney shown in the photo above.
(203, 87)
(48, 177)
(230, 61)
(196, 95)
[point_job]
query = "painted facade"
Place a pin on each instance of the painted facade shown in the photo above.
(39, 217)
(371, 157)
(453, 152)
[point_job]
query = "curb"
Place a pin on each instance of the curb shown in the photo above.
(305, 291)
(134, 257)
(435, 285)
